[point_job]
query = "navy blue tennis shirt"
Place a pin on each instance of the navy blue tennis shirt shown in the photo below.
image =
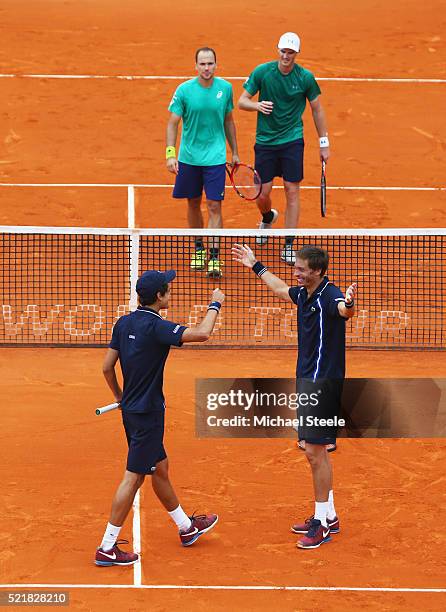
(321, 332)
(143, 339)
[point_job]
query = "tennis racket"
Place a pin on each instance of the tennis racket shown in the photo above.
(107, 408)
(245, 180)
(323, 191)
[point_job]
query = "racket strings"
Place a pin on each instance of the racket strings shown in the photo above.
(246, 181)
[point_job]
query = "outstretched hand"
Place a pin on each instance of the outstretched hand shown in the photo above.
(218, 296)
(244, 255)
(351, 293)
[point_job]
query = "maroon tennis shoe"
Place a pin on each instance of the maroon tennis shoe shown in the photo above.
(316, 535)
(115, 556)
(333, 524)
(200, 524)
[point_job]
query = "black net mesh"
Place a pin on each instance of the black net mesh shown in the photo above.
(64, 289)
(61, 289)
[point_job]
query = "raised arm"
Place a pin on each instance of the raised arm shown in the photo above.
(347, 309)
(244, 255)
(204, 330)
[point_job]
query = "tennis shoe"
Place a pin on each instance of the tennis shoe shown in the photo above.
(330, 447)
(214, 268)
(262, 240)
(288, 255)
(200, 524)
(115, 556)
(333, 525)
(198, 260)
(316, 535)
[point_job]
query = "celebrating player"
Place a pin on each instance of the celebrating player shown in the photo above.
(141, 341)
(283, 87)
(205, 105)
(321, 316)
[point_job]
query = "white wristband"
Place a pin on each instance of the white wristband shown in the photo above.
(323, 142)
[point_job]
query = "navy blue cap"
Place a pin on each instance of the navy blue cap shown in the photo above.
(150, 282)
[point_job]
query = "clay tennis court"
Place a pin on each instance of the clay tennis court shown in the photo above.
(61, 463)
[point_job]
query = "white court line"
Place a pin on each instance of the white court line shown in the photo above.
(137, 540)
(130, 207)
(155, 77)
(225, 587)
(169, 186)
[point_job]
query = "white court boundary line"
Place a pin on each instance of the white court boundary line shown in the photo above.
(137, 570)
(154, 77)
(131, 194)
(130, 206)
(218, 587)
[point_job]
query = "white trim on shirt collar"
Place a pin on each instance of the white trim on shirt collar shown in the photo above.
(142, 309)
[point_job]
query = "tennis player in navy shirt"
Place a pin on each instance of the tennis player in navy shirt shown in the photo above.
(141, 341)
(322, 313)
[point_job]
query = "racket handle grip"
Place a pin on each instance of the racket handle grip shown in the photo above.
(107, 408)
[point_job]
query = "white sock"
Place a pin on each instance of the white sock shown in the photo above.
(180, 518)
(110, 536)
(320, 512)
(331, 509)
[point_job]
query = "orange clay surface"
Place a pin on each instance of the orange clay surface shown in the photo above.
(60, 463)
(113, 131)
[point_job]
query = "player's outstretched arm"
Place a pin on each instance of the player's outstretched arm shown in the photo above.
(244, 255)
(204, 330)
(347, 309)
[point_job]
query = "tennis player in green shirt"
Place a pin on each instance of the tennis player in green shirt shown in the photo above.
(284, 88)
(205, 105)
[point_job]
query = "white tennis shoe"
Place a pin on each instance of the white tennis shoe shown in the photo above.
(262, 240)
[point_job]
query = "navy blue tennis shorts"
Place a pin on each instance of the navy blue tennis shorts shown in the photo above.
(318, 410)
(145, 432)
(286, 160)
(191, 180)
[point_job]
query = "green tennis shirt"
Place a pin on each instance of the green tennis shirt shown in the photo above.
(289, 93)
(203, 110)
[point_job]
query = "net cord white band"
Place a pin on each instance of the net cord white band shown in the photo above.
(135, 234)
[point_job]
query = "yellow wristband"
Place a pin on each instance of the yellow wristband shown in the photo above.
(170, 152)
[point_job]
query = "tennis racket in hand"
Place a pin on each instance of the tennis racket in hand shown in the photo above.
(245, 180)
(323, 190)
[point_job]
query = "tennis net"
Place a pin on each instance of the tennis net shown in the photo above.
(68, 286)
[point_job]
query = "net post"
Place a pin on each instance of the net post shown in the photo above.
(131, 206)
(133, 268)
